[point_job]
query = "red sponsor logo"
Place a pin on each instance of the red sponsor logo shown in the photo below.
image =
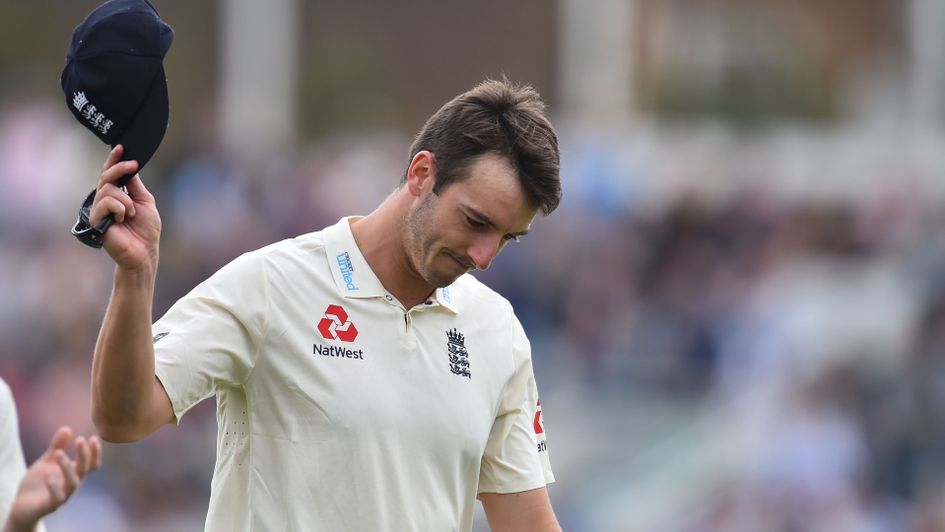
(335, 325)
(539, 427)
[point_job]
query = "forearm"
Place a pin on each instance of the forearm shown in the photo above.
(123, 364)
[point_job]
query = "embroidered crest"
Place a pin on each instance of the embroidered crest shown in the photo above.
(459, 357)
(88, 111)
(79, 100)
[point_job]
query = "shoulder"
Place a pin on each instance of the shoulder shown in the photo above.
(300, 246)
(478, 299)
(251, 277)
(483, 305)
(292, 253)
(490, 317)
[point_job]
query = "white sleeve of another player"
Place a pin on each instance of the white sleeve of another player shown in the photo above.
(516, 454)
(12, 464)
(212, 336)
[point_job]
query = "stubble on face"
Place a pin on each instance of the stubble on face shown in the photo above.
(419, 242)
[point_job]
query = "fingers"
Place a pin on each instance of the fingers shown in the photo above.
(70, 477)
(62, 482)
(61, 439)
(114, 168)
(109, 198)
(112, 200)
(88, 451)
(105, 206)
(88, 455)
(137, 190)
(95, 448)
(56, 491)
(113, 157)
(110, 190)
(82, 456)
(116, 171)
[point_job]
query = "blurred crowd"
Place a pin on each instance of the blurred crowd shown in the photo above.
(744, 362)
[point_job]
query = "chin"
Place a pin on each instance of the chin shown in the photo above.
(440, 281)
(443, 274)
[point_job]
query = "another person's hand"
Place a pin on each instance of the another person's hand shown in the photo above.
(132, 239)
(52, 479)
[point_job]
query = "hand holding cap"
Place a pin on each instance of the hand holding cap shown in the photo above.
(114, 84)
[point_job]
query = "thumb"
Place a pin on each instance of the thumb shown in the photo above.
(137, 189)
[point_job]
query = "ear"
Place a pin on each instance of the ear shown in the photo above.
(421, 174)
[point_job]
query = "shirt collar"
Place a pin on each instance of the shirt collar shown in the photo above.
(446, 297)
(355, 279)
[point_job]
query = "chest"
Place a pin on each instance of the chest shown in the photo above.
(366, 370)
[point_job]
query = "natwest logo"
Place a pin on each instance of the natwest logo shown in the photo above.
(335, 325)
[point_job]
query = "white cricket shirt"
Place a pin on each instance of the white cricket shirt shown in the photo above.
(340, 410)
(12, 464)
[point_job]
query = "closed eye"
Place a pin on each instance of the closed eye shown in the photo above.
(484, 224)
(475, 224)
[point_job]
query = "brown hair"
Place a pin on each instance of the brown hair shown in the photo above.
(498, 117)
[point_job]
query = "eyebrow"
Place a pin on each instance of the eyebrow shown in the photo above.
(488, 221)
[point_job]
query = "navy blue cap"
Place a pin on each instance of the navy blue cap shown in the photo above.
(114, 80)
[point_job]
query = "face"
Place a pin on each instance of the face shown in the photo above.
(467, 224)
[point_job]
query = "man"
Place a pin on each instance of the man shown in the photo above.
(363, 381)
(27, 495)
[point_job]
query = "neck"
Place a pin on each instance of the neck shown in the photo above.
(379, 236)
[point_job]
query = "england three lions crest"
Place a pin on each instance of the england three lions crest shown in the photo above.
(459, 357)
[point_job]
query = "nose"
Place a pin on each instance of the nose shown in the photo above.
(483, 250)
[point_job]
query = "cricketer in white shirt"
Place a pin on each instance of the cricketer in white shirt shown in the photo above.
(338, 409)
(29, 494)
(12, 463)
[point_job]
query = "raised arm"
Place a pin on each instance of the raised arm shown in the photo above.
(128, 401)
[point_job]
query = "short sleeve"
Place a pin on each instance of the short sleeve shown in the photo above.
(12, 463)
(516, 454)
(212, 336)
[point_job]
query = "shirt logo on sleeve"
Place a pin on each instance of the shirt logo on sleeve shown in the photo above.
(540, 428)
(336, 326)
(158, 336)
(459, 357)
